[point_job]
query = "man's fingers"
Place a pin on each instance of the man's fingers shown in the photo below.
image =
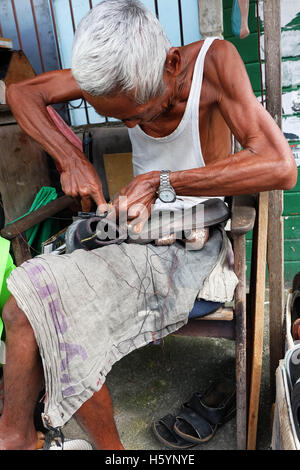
(99, 200)
(102, 208)
(138, 215)
(86, 204)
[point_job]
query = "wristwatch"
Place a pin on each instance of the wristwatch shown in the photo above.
(166, 192)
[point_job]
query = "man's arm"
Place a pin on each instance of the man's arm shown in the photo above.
(28, 102)
(266, 161)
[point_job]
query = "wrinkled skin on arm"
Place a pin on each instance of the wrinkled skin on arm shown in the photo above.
(28, 101)
(266, 161)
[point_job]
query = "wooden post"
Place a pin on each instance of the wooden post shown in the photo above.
(272, 30)
(240, 341)
(258, 317)
(270, 232)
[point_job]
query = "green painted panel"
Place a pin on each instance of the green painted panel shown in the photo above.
(291, 250)
(291, 203)
(254, 75)
(252, 22)
(249, 235)
(291, 227)
(229, 3)
(248, 249)
(247, 47)
(291, 224)
(296, 188)
(290, 270)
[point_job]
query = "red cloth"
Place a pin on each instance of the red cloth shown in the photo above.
(64, 128)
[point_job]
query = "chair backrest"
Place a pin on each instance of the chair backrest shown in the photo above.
(111, 156)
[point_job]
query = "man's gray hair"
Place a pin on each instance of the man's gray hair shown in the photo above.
(120, 45)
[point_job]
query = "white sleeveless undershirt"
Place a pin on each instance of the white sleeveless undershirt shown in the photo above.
(180, 150)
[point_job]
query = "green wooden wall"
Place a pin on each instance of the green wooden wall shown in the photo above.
(249, 51)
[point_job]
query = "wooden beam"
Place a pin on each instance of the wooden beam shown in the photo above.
(222, 314)
(258, 320)
(239, 247)
(21, 249)
(208, 329)
(12, 230)
(272, 37)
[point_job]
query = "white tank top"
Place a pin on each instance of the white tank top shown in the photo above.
(180, 150)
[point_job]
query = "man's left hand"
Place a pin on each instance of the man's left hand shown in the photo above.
(134, 202)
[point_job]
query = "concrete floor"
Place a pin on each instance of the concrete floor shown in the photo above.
(155, 380)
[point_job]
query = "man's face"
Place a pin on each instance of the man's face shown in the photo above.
(125, 108)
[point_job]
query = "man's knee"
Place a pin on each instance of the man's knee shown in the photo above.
(12, 315)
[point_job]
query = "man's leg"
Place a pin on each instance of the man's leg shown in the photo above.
(96, 417)
(23, 380)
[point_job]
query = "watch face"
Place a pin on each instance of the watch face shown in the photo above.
(167, 196)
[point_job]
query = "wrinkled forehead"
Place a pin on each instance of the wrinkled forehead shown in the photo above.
(110, 103)
(117, 105)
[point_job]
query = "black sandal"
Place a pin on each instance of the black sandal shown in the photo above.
(200, 418)
(164, 431)
(192, 427)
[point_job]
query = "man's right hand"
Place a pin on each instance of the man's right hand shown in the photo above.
(79, 178)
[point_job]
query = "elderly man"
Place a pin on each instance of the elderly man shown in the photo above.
(181, 105)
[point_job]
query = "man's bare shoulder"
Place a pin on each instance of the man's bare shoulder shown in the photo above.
(222, 56)
(225, 69)
(221, 47)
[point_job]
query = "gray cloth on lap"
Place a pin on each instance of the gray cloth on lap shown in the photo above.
(89, 309)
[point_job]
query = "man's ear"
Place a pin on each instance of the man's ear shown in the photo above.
(173, 62)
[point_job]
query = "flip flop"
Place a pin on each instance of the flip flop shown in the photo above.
(192, 427)
(204, 414)
(164, 432)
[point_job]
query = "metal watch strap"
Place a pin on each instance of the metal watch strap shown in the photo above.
(165, 179)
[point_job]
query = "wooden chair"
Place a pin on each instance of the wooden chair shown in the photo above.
(112, 159)
(110, 148)
(232, 322)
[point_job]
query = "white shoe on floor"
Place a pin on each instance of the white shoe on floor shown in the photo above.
(71, 444)
(55, 440)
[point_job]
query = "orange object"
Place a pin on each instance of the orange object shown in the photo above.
(296, 330)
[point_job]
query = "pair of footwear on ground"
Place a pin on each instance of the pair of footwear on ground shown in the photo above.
(199, 418)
